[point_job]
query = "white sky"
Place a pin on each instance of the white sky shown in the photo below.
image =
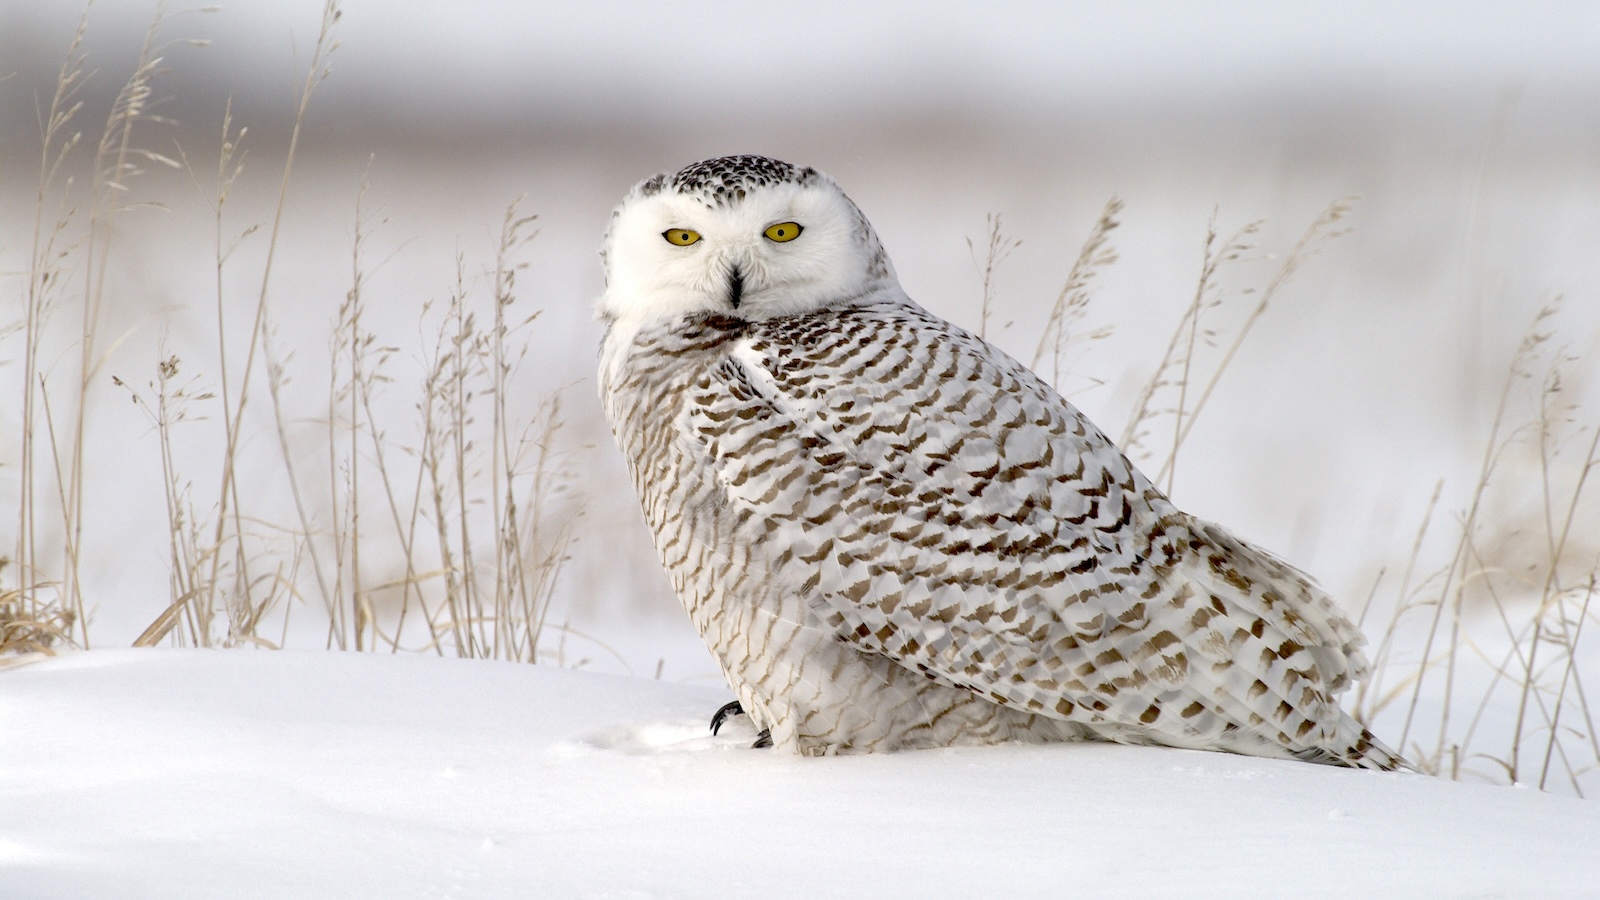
(742, 58)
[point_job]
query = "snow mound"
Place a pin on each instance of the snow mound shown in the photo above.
(167, 774)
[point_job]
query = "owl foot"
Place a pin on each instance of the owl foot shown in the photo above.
(721, 716)
(728, 711)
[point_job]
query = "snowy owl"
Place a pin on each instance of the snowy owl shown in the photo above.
(892, 535)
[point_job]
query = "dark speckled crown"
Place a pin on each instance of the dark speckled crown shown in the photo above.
(726, 179)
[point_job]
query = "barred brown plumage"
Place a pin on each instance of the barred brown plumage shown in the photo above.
(892, 535)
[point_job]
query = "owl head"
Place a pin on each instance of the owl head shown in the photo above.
(743, 236)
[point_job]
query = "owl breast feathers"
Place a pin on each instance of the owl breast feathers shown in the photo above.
(892, 535)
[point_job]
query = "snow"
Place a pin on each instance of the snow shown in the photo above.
(168, 773)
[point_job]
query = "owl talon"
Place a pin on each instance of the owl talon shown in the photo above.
(763, 740)
(721, 716)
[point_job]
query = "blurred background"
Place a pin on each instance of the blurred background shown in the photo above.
(1467, 131)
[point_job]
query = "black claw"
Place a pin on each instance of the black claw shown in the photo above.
(721, 716)
(764, 739)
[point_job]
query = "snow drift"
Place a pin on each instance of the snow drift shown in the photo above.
(167, 773)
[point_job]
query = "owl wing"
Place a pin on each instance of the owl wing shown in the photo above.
(939, 505)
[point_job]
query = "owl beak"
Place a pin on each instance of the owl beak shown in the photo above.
(735, 286)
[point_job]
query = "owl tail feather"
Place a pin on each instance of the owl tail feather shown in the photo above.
(1365, 752)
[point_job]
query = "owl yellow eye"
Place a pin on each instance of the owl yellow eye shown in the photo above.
(782, 232)
(683, 237)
